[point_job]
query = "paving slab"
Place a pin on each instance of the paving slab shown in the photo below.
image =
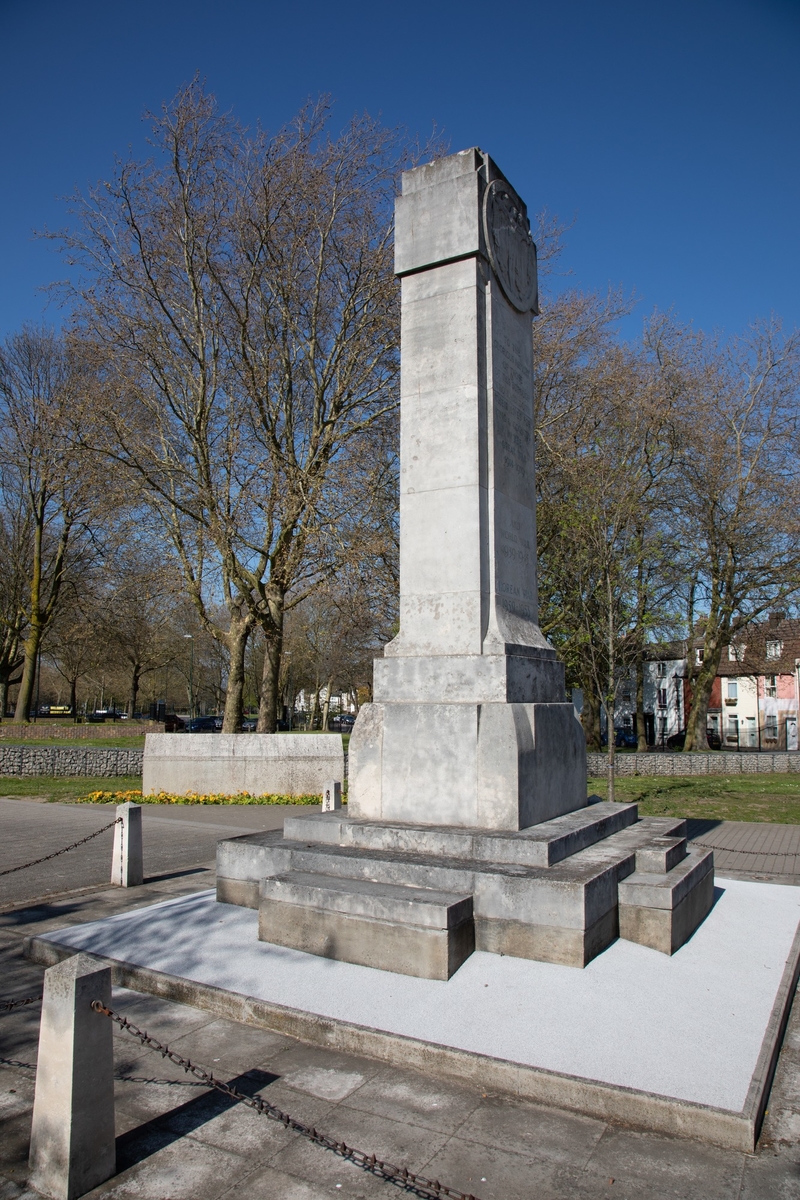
(700, 1028)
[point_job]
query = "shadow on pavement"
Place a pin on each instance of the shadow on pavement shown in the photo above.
(696, 828)
(140, 1143)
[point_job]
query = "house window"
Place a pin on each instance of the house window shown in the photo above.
(698, 656)
(662, 697)
(736, 653)
(774, 649)
(733, 689)
(627, 722)
(771, 686)
(661, 670)
(713, 722)
(771, 727)
(626, 697)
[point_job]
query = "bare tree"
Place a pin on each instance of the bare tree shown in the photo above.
(239, 295)
(41, 397)
(736, 487)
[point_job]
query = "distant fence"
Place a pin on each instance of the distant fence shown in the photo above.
(44, 728)
(69, 760)
(716, 763)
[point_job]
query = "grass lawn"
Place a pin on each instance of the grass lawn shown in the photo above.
(64, 788)
(771, 798)
(124, 743)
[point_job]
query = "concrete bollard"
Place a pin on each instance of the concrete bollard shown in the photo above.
(332, 796)
(127, 869)
(72, 1135)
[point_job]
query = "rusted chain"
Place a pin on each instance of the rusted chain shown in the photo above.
(8, 1005)
(56, 853)
(757, 853)
(429, 1189)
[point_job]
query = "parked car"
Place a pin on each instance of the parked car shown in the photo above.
(205, 725)
(173, 723)
(341, 723)
(249, 725)
(625, 739)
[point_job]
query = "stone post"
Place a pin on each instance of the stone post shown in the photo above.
(72, 1136)
(332, 796)
(126, 863)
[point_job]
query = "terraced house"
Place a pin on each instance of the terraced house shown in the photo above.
(756, 695)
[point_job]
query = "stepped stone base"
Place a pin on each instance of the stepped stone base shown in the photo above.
(419, 899)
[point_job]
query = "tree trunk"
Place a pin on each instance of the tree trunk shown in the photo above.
(134, 691)
(641, 732)
(271, 674)
(327, 705)
(697, 720)
(314, 708)
(590, 719)
(28, 681)
(236, 638)
(73, 696)
(3, 696)
(612, 748)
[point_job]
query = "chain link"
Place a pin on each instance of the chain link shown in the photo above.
(8, 1005)
(757, 853)
(430, 1189)
(56, 853)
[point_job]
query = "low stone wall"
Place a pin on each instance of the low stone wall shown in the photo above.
(69, 760)
(719, 762)
(11, 732)
(285, 763)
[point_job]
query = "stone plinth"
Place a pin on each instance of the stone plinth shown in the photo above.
(470, 725)
(285, 764)
(354, 889)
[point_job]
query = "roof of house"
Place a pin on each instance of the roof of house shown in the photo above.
(753, 643)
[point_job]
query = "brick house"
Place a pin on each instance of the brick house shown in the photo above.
(756, 696)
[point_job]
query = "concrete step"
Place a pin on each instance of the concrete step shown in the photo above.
(663, 909)
(408, 930)
(366, 898)
(540, 845)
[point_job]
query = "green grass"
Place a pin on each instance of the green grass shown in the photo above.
(64, 789)
(123, 743)
(765, 798)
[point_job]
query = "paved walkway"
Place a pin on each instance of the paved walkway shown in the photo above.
(175, 838)
(754, 850)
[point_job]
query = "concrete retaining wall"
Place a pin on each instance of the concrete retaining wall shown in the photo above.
(69, 760)
(288, 764)
(715, 763)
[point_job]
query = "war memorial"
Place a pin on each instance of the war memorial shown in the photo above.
(469, 912)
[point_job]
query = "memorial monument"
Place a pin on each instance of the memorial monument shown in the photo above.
(467, 824)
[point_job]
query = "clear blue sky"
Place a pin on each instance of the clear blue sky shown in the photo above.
(670, 131)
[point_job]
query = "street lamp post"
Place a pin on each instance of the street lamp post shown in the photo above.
(190, 638)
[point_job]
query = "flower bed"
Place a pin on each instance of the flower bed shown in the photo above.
(192, 798)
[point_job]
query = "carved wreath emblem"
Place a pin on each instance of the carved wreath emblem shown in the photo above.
(511, 249)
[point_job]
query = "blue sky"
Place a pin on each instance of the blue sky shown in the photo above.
(668, 131)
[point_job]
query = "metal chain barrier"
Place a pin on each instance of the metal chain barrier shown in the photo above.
(8, 1005)
(56, 853)
(430, 1189)
(757, 853)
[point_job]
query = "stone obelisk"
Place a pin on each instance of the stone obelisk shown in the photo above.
(470, 725)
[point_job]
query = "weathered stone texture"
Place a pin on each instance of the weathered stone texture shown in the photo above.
(69, 760)
(715, 763)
